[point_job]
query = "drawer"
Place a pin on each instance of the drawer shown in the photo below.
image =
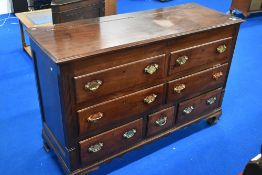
(190, 60)
(117, 58)
(160, 121)
(115, 82)
(200, 38)
(196, 84)
(198, 106)
(109, 114)
(106, 144)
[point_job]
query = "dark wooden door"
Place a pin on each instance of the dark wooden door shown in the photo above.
(20, 6)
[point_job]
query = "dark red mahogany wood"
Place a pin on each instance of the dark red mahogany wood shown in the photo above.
(112, 84)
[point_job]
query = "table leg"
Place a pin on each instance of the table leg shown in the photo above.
(26, 47)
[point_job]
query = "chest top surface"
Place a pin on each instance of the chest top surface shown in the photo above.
(69, 41)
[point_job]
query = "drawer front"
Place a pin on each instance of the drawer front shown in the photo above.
(190, 60)
(118, 81)
(101, 146)
(196, 84)
(118, 58)
(194, 108)
(160, 121)
(200, 38)
(127, 108)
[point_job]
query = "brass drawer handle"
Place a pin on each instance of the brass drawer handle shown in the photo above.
(129, 134)
(182, 60)
(179, 88)
(221, 48)
(150, 99)
(93, 85)
(95, 117)
(217, 75)
(211, 101)
(162, 121)
(95, 148)
(151, 69)
(188, 110)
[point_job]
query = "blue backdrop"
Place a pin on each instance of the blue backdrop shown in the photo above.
(222, 149)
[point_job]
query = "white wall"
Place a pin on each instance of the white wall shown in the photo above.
(5, 6)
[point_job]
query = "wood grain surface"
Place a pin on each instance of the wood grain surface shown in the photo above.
(69, 41)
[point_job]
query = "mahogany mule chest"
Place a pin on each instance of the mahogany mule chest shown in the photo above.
(112, 84)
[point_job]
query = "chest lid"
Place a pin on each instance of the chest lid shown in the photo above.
(83, 38)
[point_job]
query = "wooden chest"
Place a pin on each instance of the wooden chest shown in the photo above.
(246, 6)
(109, 85)
(70, 10)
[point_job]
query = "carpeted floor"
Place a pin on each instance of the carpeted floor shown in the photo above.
(222, 149)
